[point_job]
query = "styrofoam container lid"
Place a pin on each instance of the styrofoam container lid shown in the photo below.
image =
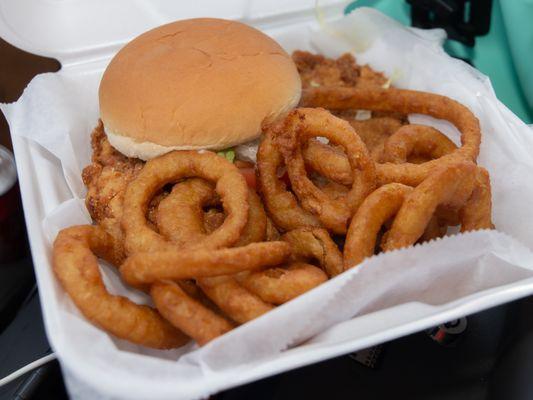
(74, 31)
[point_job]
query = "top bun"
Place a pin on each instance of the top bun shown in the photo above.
(195, 84)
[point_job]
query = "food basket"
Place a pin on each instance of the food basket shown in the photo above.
(388, 296)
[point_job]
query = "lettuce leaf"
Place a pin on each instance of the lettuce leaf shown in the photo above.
(228, 154)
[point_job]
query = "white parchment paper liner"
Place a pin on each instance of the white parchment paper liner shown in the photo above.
(405, 290)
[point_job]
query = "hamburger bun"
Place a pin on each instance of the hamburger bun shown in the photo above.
(195, 84)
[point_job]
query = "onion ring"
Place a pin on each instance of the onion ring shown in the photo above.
(200, 323)
(409, 141)
(255, 229)
(279, 285)
(476, 214)
(233, 299)
(281, 205)
(180, 219)
(190, 288)
(463, 186)
(416, 140)
(76, 266)
(407, 102)
(334, 190)
(180, 216)
(327, 161)
(301, 125)
(441, 187)
(140, 268)
(171, 167)
(315, 243)
(378, 208)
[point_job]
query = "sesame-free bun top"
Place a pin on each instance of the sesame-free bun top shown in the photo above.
(195, 84)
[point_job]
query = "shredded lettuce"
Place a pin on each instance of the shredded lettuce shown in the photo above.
(228, 154)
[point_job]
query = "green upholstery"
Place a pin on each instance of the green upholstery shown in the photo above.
(505, 54)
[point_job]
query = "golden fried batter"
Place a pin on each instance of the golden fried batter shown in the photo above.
(316, 70)
(106, 179)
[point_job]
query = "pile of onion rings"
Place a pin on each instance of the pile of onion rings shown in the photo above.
(213, 252)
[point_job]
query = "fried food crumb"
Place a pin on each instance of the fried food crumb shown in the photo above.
(316, 70)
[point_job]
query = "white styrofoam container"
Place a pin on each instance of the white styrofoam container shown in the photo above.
(83, 36)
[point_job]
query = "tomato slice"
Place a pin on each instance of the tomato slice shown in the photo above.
(243, 164)
(249, 176)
